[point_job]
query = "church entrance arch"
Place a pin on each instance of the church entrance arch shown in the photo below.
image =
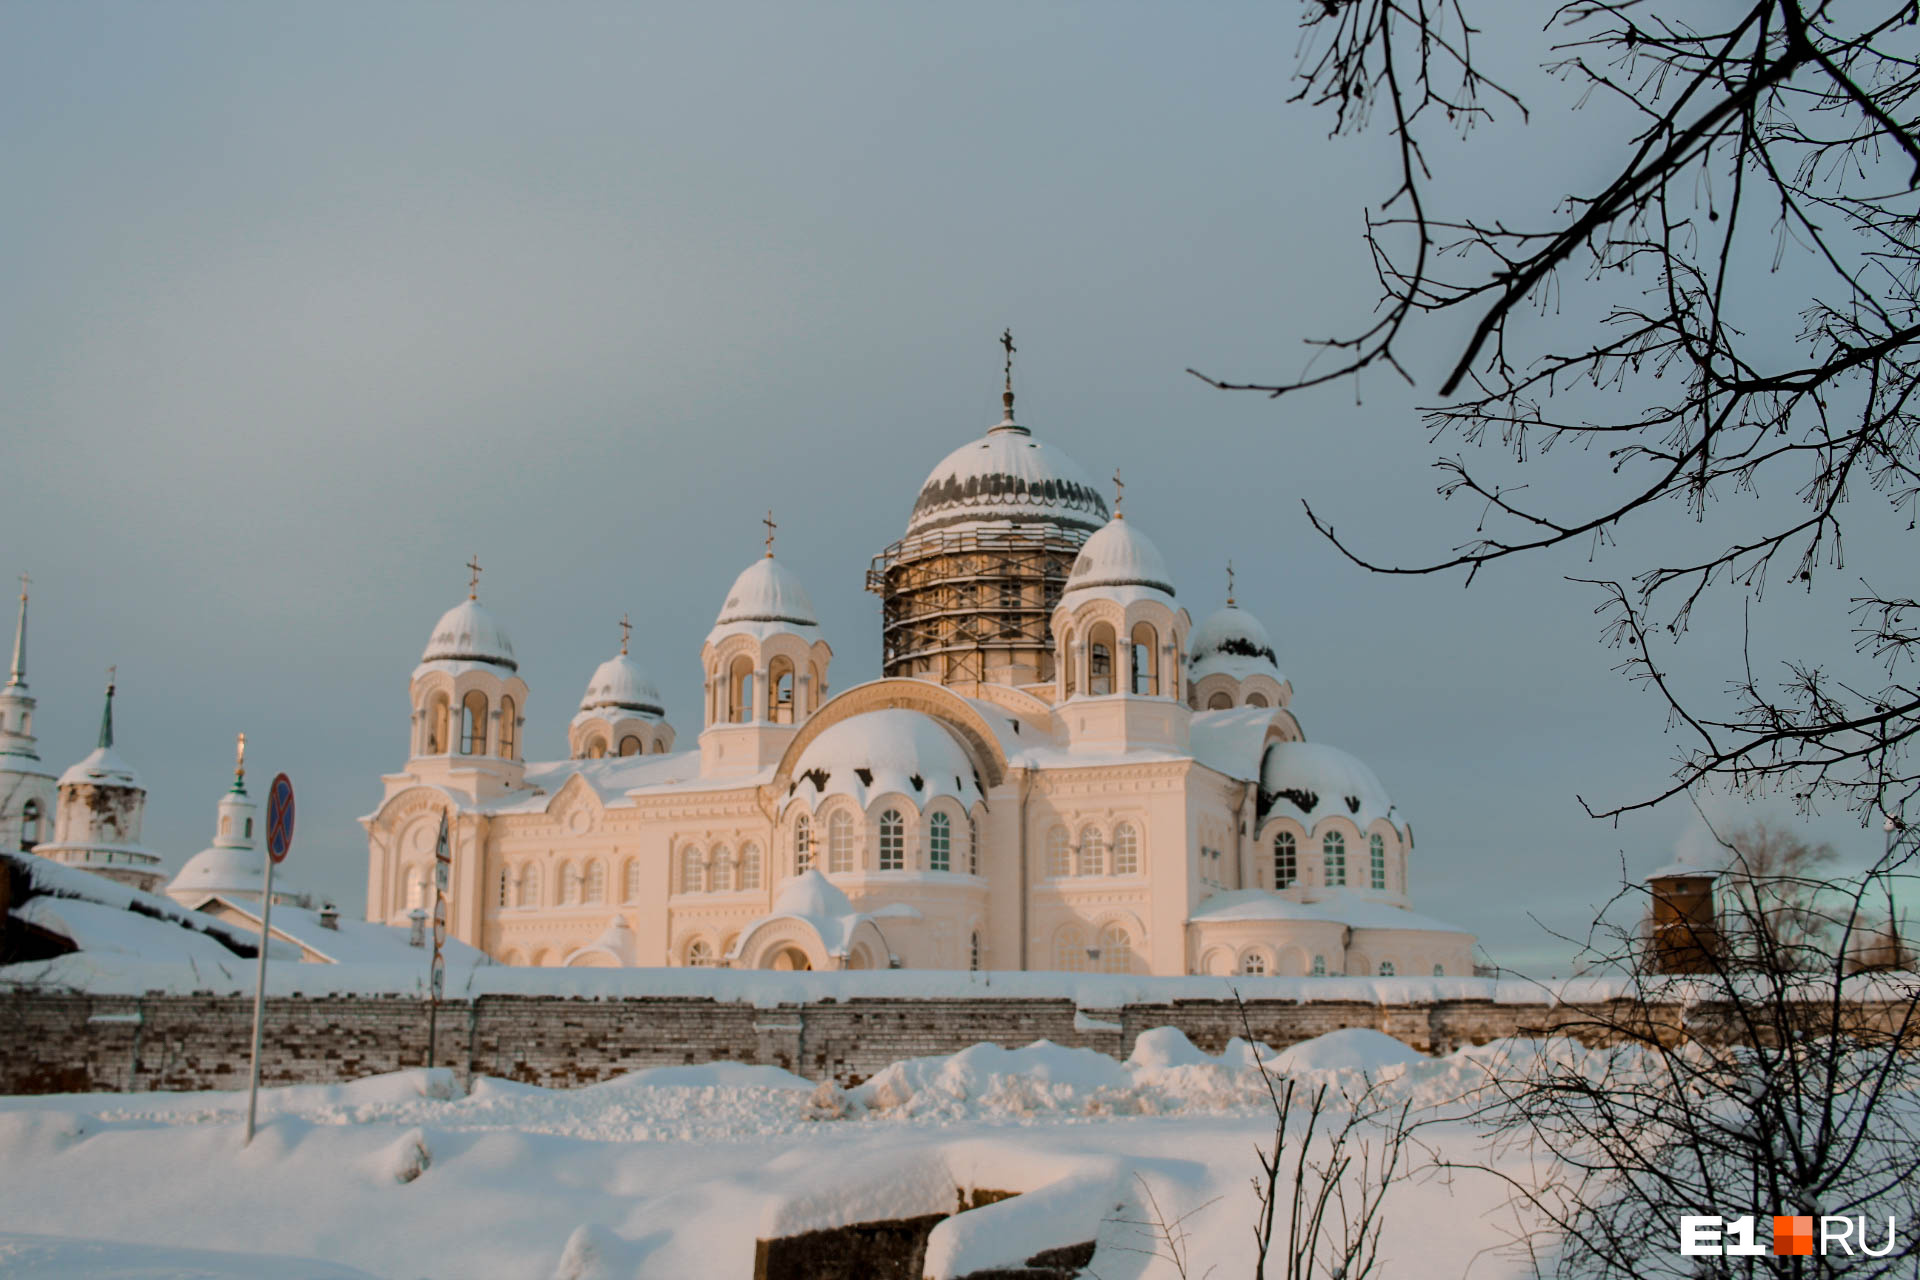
(789, 960)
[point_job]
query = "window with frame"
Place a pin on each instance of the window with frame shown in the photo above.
(1126, 850)
(473, 724)
(1059, 854)
(700, 954)
(1253, 964)
(1319, 966)
(1093, 851)
(630, 745)
(840, 842)
(1116, 949)
(504, 898)
(973, 847)
(29, 825)
(1387, 969)
(720, 876)
(570, 884)
(940, 843)
(893, 841)
(802, 844)
(596, 881)
(1286, 860)
(530, 885)
(509, 728)
(630, 881)
(1333, 850)
(1439, 971)
(693, 870)
(1377, 856)
(1070, 949)
(750, 866)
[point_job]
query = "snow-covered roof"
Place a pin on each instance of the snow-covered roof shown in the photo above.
(47, 878)
(611, 778)
(1341, 907)
(1231, 640)
(1230, 741)
(1682, 867)
(616, 941)
(351, 941)
(223, 869)
(619, 684)
(1118, 557)
(765, 599)
(891, 750)
(1007, 476)
(469, 633)
(102, 767)
(812, 898)
(1311, 781)
(93, 926)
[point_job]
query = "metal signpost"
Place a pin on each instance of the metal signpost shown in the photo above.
(436, 980)
(279, 840)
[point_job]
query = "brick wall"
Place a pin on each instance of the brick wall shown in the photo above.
(55, 1042)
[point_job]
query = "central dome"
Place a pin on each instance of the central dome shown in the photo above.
(468, 633)
(620, 683)
(767, 591)
(1009, 476)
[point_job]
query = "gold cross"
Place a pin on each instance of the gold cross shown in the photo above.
(240, 757)
(473, 582)
(771, 526)
(626, 631)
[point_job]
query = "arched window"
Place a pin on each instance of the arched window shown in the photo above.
(893, 841)
(1286, 860)
(1100, 648)
(1377, 856)
(1146, 661)
(1093, 851)
(630, 746)
(436, 743)
(630, 881)
(1334, 849)
(693, 870)
(699, 954)
(740, 690)
(416, 887)
(1070, 949)
(1116, 949)
(509, 729)
(1253, 964)
(1319, 966)
(513, 957)
(840, 841)
(1220, 701)
(1439, 971)
(750, 866)
(939, 843)
(973, 951)
(530, 885)
(722, 869)
(596, 747)
(570, 885)
(596, 881)
(1059, 854)
(1256, 699)
(780, 691)
(1386, 969)
(506, 883)
(1066, 659)
(1126, 850)
(226, 824)
(473, 724)
(249, 834)
(802, 844)
(973, 847)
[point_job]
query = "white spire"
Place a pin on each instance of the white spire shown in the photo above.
(17, 677)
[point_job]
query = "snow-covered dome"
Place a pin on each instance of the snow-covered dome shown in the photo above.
(767, 597)
(1121, 561)
(102, 767)
(886, 751)
(221, 869)
(468, 633)
(1311, 781)
(1007, 475)
(619, 684)
(1231, 640)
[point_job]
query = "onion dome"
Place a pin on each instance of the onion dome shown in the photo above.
(619, 684)
(886, 751)
(1007, 476)
(1231, 640)
(469, 633)
(1119, 562)
(765, 599)
(1311, 781)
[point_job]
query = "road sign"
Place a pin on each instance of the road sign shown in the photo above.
(442, 851)
(279, 818)
(439, 980)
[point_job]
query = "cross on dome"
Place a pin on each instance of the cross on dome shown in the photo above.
(1119, 494)
(239, 762)
(771, 526)
(1229, 582)
(473, 581)
(626, 632)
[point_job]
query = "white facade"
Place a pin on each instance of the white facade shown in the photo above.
(101, 807)
(1111, 789)
(27, 793)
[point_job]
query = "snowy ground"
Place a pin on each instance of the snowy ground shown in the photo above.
(675, 1172)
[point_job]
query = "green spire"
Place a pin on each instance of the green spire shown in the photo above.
(106, 713)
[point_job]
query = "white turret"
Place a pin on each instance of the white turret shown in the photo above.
(232, 866)
(101, 807)
(469, 703)
(621, 713)
(766, 666)
(1231, 662)
(26, 790)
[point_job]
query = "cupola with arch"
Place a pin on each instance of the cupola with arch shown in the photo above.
(1119, 636)
(1231, 663)
(469, 705)
(766, 669)
(621, 713)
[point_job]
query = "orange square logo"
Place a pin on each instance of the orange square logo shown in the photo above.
(1792, 1236)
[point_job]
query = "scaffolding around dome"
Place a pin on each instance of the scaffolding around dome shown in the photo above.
(973, 605)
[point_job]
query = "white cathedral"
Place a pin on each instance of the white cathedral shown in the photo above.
(1057, 770)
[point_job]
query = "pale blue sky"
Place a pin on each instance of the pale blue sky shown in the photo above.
(301, 305)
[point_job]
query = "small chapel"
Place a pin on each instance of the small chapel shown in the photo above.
(1055, 769)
